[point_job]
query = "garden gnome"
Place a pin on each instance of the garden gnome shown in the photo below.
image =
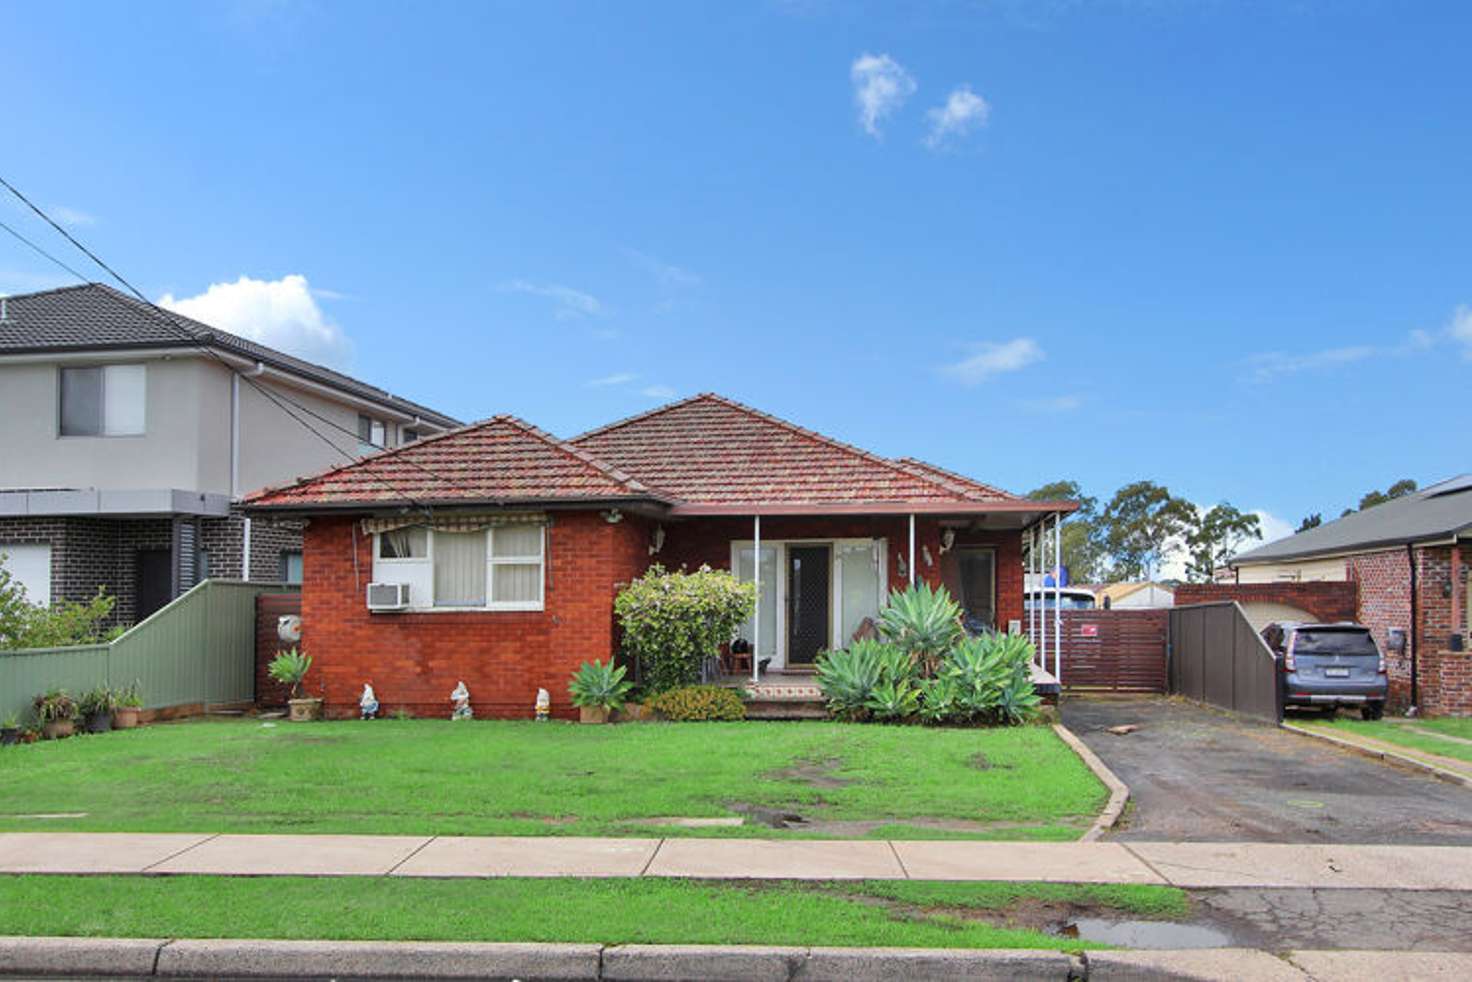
(369, 702)
(544, 704)
(460, 699)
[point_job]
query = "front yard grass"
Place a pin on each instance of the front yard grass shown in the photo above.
(509, 778)
(1442, 737)
(608, 911)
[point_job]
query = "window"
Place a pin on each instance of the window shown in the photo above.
(371, 435)
(202, 563)
(103, 400)
(501, 568)
(291, 566)
(408, 436)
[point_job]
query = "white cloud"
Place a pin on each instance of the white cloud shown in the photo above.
(569, 302)
(992, 358)
(1271, 364)
(963, 112)
(1273, 529)
(881, 86)
(618, 378)
(280, 313)
(1460, 329)
(72, 217)
(667, 274)
(657, 392)
(1055, 404)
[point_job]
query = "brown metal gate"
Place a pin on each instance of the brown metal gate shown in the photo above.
(1117, 650)
(1216, 657)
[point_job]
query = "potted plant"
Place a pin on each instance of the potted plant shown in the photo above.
(96, 707)
(57, 713)
(290, 668)
(30, 734)
(130, 704)
(598, 689)
(10, 731)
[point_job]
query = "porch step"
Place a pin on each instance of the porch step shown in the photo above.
(785, 709)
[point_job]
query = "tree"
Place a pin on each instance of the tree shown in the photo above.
(15, 610)
(1214, 537)
(1310, 522)
(1083, 552)
(1141, 526)
(1370, 499)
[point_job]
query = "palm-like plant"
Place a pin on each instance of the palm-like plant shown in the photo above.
(924, 622)
(290, 668)
(848, 676)
(599, 686)
(894, 700)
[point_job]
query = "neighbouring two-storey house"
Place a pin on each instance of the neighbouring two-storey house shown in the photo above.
(130, 435)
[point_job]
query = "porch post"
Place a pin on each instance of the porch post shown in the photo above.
(1042, 599)
(756, 618)
(1032, 609)
(912, 548)
(1058, 596)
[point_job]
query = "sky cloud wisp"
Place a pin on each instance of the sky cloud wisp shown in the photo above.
(1460, 329)
(668, 275)
(963, 112)
(1271, 364)
(1055, 404)
(72, 217)
(282, 314)
(995, 358)
(881, 87)
(568, 302)
(657, 392)
(618, 378)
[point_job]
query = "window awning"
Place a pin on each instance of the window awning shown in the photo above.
(454, 523)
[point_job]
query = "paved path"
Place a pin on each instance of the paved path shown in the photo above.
(1196, 774)
(1196, 865)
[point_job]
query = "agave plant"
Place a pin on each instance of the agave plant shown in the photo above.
(848, 676)
(596, 685)
(924, 622)
(1017, 700)
(894, 700)
(939, 700)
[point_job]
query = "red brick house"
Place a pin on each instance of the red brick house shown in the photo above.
(512, 545)
(1408, 560)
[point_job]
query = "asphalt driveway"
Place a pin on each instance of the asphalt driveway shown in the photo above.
(1199, 775)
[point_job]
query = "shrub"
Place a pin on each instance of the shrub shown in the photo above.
(98, 702)
(64, 624)
(699, 703)
(132, 696)
(924, 622)
(53, 705)
(290, 668)
(673, 622)
(599, 686)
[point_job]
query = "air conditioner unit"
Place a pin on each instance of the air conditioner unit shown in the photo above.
(388, 596)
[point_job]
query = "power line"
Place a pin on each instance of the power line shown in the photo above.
(167, 318)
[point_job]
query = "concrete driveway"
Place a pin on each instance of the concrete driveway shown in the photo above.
(1199, 775)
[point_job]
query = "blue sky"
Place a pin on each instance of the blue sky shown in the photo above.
(1221, 245)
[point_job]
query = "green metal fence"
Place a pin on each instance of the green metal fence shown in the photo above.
(198, 649)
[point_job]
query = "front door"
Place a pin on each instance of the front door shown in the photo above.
(153, 581)
(809, 619)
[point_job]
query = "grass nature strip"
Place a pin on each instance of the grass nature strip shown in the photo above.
(422, 777)
(1408, 734)
(608, 911)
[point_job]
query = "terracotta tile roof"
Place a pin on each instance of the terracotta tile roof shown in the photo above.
(986, 491)
(499, 459)
(712, 450)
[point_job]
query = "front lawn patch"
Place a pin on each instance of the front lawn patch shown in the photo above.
(608, 911)
(422, 777)
(1443, 737)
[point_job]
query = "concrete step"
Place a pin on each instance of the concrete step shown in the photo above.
(785, 709)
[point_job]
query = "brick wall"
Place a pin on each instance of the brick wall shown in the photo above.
(1384, 583)
(414, 660)
(1326, 601)
(269, 609)
(224, 539)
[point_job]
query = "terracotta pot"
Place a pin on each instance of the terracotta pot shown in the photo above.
(633, 712)
(592, 714)
(58, 728)
(28, 736)
(304, 710)
(125, 717)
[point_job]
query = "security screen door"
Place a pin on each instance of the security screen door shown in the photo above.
(809, 616)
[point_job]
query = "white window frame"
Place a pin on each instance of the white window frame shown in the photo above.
(835, 583)
(104, 432)
(421, 585)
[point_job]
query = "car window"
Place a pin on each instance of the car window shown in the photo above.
(1334, 643)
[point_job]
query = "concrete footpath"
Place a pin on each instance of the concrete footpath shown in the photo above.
(165, 958)
(1191, 865)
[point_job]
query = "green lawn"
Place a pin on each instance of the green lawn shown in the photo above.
(506, 778)
(1408, 734)
(614, 911)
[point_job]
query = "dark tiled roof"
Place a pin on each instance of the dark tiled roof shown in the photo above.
(95, 317)
(502, 459)
(1440, 511)
(712, 450)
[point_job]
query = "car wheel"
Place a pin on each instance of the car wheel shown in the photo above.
(1372, 710)
(1329, 712)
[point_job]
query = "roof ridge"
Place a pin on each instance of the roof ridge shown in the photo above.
(54, 289)
(926, 465)
(600, 430)
(824, 439)
(582, 456)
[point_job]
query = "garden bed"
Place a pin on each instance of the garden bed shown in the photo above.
(503, 778)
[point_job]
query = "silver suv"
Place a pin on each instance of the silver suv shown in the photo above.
(1330, 665)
